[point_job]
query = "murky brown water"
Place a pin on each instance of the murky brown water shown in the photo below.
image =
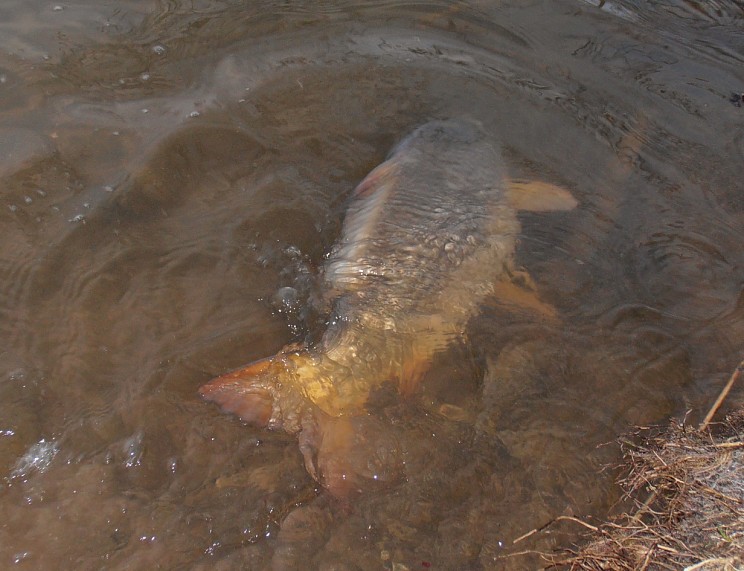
(167, 168)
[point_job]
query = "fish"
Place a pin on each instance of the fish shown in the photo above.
(428, 235)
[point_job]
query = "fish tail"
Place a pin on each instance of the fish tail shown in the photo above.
(344, 448)
(261, 393)
(243, 392)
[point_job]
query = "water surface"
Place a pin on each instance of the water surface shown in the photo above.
(166, 169)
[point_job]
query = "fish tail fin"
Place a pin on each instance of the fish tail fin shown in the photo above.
(264, 392)
(245, 392)
(350, 454)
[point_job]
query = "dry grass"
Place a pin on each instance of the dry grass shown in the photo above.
(687, 486)
(693, 514)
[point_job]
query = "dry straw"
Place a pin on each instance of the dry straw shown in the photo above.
(692, 517)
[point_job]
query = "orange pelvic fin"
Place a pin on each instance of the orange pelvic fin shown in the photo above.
(510, 294)
(414, 368)
(433, 334)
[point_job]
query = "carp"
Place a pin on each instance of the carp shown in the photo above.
(428, 235)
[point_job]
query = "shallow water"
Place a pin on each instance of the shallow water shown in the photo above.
(166, 170)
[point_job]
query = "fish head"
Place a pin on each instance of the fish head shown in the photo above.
(439, 136)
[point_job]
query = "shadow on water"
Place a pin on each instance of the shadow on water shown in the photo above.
(169, 171)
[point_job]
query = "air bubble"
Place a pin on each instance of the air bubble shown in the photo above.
(133, 450)
(37, 459)
(286, 300)
(20, 557)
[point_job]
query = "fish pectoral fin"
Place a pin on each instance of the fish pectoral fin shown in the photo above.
(510, 294)
(538, 196)
(412, 372)
(523, 279)
(432, 335)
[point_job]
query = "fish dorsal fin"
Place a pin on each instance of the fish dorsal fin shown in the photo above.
(538, 196)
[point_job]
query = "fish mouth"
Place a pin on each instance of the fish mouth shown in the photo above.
(442, 132)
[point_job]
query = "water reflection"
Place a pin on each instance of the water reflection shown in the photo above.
(167, 172)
